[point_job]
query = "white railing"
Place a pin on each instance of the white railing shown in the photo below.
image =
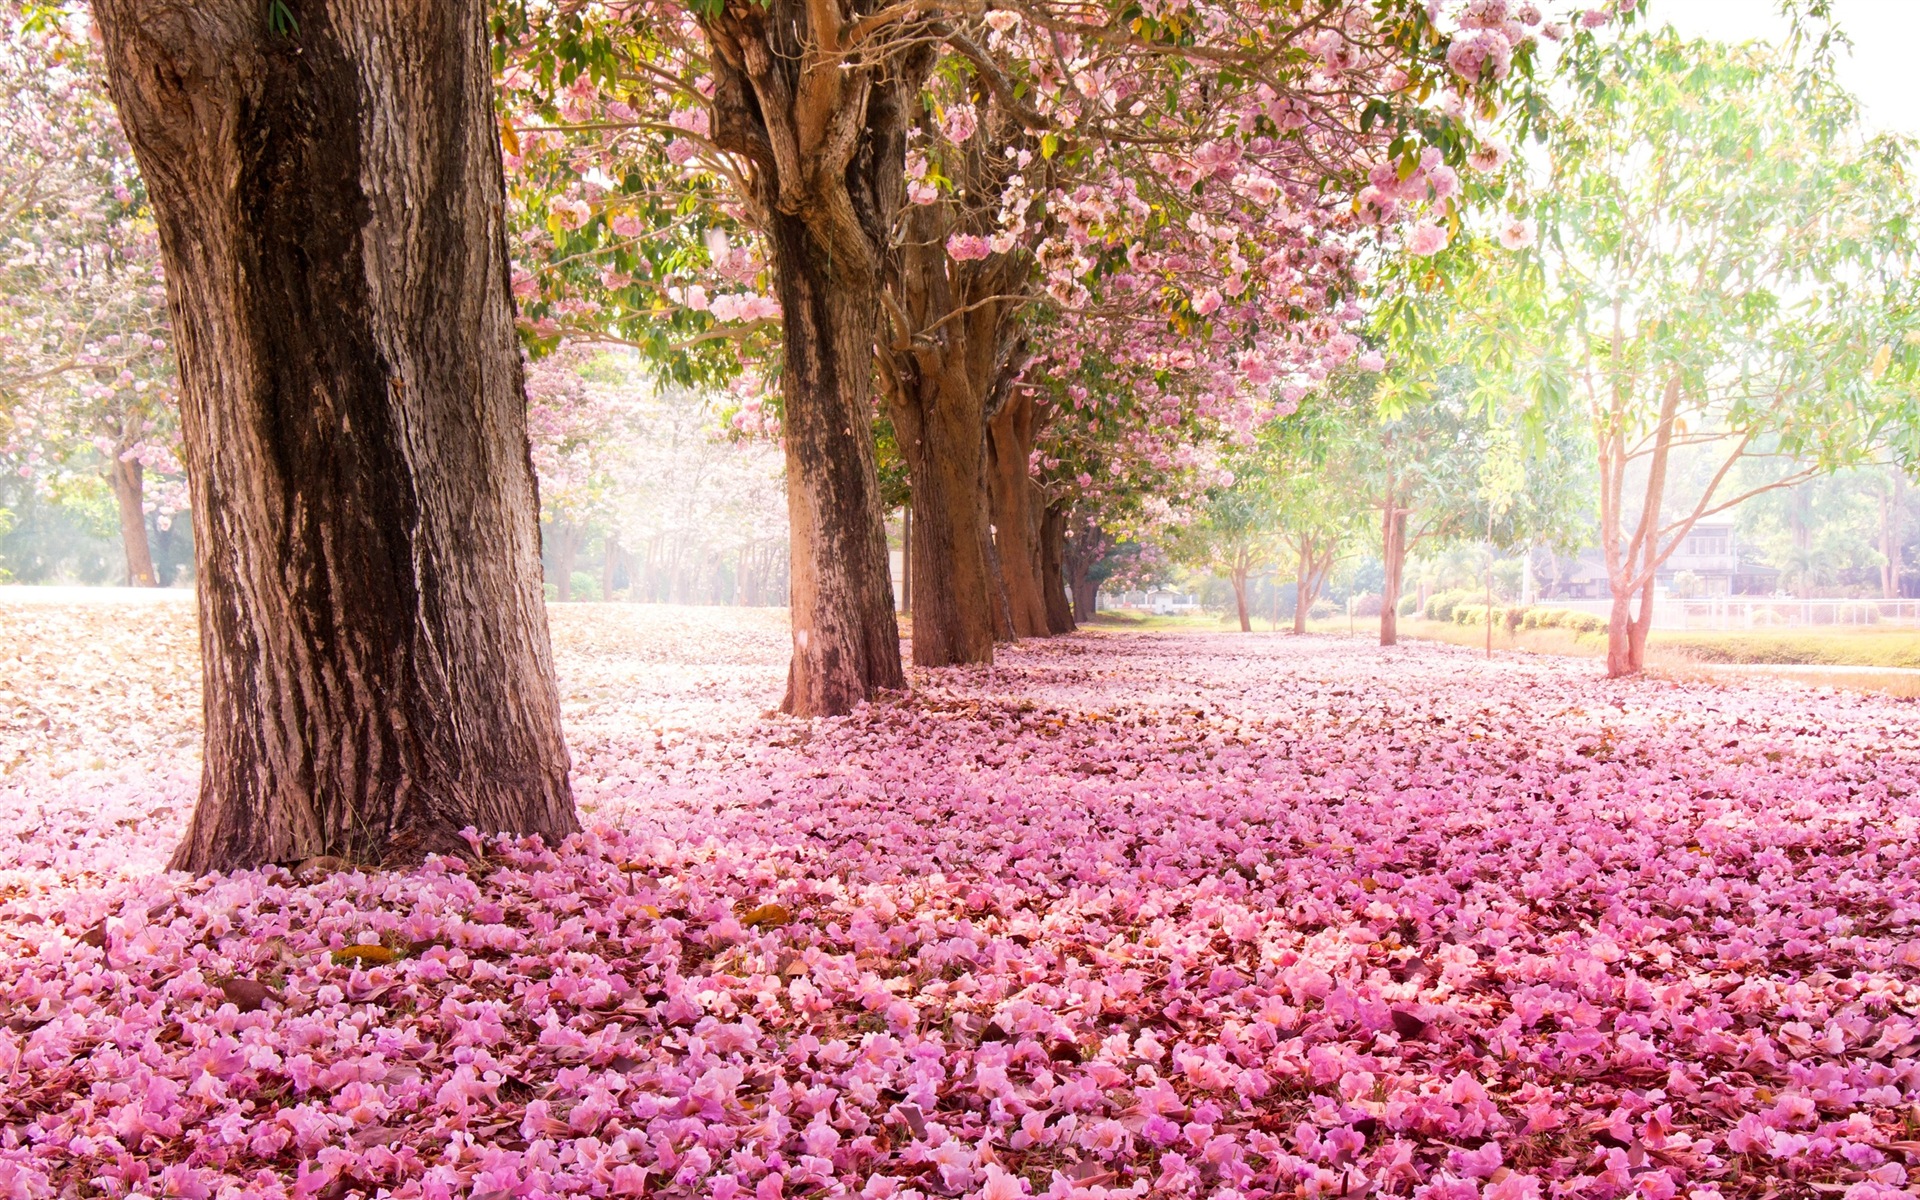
(1761, 612)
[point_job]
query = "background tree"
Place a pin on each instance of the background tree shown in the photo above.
(86, 371)
(1236, 529)
(1314, 460)
(330, 204)
(1730, 272)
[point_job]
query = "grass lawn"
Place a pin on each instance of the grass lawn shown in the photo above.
(1695, 655)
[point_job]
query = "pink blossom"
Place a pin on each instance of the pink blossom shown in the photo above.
(958, 123)
(962, 247)
(1426, 239)
(1518, 234)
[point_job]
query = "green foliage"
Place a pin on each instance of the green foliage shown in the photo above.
(1562, 618)
(1441, 605)
(1889, 648)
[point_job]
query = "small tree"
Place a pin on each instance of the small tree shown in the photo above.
(1729, 259)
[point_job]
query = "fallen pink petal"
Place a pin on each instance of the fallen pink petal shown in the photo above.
(1124, 913)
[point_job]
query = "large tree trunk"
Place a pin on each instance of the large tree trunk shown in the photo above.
(1016, 521)
(942, 433)
(1053, 553)
(826, 139)
(846, 639)
(1239, 578)
(1084, 551)
(938, 388)
(332, 221)
(129, 495)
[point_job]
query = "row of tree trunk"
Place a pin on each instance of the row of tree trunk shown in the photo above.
(327, 184)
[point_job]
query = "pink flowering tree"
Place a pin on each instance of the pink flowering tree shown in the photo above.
(925, 174)
(86, 372)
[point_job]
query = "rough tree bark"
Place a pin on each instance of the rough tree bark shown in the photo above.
(129, 496)
(1053, 557)
(331, 216)
(1086, 546)
(1016, 519)
(941, 371)
(826, 139)
(938, 415)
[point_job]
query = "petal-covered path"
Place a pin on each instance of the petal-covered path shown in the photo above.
(1211, 916)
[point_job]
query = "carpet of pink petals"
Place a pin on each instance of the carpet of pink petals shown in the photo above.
(1216, 917)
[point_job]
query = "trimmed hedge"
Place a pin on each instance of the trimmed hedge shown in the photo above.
(1563, 618)
(1440, 605)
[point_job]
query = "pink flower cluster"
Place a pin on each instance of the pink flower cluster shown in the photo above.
(1221, 916)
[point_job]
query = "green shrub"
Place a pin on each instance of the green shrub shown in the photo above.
(1516, 616)
(1440, 605)
(1409, 604)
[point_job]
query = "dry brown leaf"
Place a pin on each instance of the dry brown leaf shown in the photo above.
(365, 955)
(247, 995)
(767, 916)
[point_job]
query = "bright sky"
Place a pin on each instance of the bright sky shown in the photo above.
(1880, 70)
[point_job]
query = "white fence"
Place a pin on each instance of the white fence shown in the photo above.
(1762, 612)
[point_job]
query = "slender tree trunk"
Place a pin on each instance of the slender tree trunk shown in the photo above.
(906, 559)
(566, 546)
(1303, 587)
(1890, 507)
(609, 563)
(1239, 578)
(1016, 520)
(846, 640)
(1394, 555)
(1053, 555)
(332, 222)
(129, 494)
(1620, 636)
(824, 132)
(1633, 568)
(1638, 630)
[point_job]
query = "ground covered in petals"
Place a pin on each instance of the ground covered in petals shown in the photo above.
(1219, 916)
